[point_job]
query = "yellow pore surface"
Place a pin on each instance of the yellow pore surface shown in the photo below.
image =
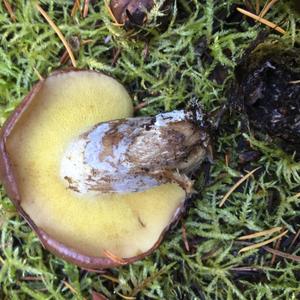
(67, 105)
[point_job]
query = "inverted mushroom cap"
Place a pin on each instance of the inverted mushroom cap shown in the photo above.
(92, 231)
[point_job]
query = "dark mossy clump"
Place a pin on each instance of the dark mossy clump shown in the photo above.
(296, 5)
(267, 89)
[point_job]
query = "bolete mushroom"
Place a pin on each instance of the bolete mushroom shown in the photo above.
(95, 194)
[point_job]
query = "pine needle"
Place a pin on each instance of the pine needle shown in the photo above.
(277, 245)
(294, 240)
(257, 6)
(267, 8)
(113, 279)
(227, 195)
(116, 23)
(258, 245)
(282, 254)
(69, 286)
(184, 237)
(125, 297)
(58, 32)
(85, 8)
(75, 8)
(259, 234)
(114, 257)
(261, 20)
(2, 261)
(32, 278)
(38, 74)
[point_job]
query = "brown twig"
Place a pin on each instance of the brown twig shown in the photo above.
(58, 32)
(10, 10)
(261, 20)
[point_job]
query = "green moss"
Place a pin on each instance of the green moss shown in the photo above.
(194, 57)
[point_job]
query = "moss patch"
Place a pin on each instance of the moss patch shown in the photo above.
(193, 58)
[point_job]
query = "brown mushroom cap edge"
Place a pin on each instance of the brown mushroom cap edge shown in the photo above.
(7, 177)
